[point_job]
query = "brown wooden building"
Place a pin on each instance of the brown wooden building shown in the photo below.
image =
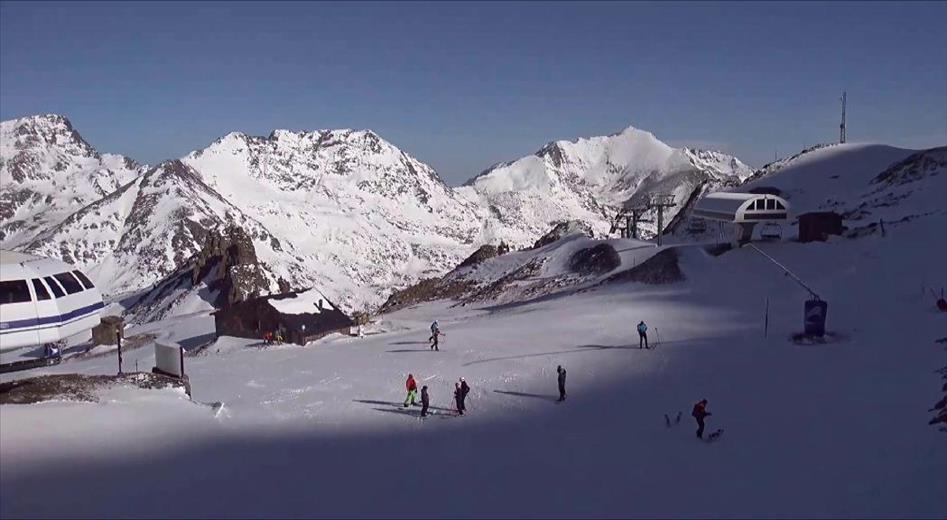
(299, 316)
(818, 225)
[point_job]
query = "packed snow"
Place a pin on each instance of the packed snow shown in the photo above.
(836, 429)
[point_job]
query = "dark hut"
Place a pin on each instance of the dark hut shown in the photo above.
(300, 316)
(818, 225)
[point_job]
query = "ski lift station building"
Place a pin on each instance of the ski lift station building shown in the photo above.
(743, 209)
(43, 300)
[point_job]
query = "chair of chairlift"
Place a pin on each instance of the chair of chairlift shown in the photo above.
(771, 231)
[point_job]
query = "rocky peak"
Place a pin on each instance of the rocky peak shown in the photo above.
(40, 133)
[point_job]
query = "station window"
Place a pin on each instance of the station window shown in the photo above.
(69, 283)
(14, 291)
(40, 290)
(53, 286)
(84, 279)
(770, 203)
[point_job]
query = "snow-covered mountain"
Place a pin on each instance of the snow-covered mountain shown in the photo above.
(589, 179)
(48, 172)
(340, 209)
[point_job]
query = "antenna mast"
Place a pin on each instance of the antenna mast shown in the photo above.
(841, 127)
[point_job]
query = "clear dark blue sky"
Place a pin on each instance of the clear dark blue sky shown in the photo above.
(462, 86)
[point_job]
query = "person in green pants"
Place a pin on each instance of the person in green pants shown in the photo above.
(412, 387)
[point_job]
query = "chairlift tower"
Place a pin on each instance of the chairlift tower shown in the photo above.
(632, 215)
(841, 127)
(660, 201)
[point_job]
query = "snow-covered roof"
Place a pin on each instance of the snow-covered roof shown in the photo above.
(741, 207)
(724, 201)
(306, 302)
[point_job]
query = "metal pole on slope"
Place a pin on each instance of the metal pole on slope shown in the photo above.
(766, 320)
(815, 310)
(118, 340)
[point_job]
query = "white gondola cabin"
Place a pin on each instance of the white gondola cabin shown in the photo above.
(43, 301)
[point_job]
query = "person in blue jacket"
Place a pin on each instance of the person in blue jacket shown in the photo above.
(642, 334)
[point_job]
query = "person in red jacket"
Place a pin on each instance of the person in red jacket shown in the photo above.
(699, 413)
(412, 387)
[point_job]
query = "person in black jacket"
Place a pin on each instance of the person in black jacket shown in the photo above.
(425, 401)
(464, 390)
(458, 399)
(562, 382)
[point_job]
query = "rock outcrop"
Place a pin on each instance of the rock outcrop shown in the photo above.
(595, 260)
(562, 229)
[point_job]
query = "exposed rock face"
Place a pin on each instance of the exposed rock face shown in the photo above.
(599, 259)
(917, 166)
(484, 252)
(229, 260)
(561, 229)
(79, 387)
(426, 290)
(225, 271)
(105, 333)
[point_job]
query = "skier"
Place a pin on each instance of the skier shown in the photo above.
(425, 401)
(412, 390)
(699, 413)
(464, 390)
(459, 399)
(435, 332)
(642, 334)
(562, 382)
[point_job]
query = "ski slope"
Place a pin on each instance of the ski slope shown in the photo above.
(813, 431)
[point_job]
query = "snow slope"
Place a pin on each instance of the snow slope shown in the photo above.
(835, 430)
(823, 178)
(819, 430)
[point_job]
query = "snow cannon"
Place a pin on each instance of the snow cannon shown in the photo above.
(814, 317)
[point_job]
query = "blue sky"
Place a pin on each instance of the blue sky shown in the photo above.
(465, 85)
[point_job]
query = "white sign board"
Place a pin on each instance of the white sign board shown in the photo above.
(168, 359)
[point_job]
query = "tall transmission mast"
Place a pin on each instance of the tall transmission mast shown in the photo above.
(841, 127)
